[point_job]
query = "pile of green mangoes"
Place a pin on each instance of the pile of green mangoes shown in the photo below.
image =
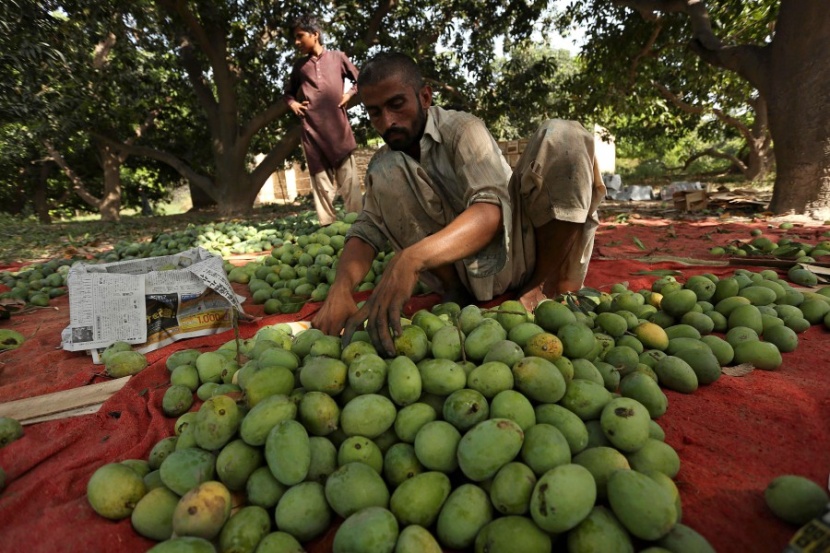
(301, 268)
(783, 248)
(491, 430)
(36, 284)
(221, 238)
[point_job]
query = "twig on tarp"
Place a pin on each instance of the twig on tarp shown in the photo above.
(739, 370)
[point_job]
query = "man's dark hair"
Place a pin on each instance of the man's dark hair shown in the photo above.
(391, 64)
(309, 24)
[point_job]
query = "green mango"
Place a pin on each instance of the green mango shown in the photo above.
(645, 390)
(217, 421)
(236, 462)
(263, 489)
(10, 430)
(185, 544)
(641, 504)
(570, 425)
(125, 363)
(412, 342)
(416, 539)
(625, 423)
(303, 511)
(114, 490)
(511, 534)
(264, 416)
(562, 498)
(676, 374)
(368, 415)
(602, 462)
(404, 381)
(482, 338)
(411, 418)
(370, 530)
(400, 463)
(511, 488)
(324, 374)
(447, 343)
(360, 449)
(490, 378)
(418, 500)
(436, 445)
(184, 469)
(153, 514)
(202, 511)
(367, 374)
(353, 487)
(600, 531)
(245, 529)
(287, 452)
(465, 408)
(545, 448)
(585, 398)
(465, 512)
(539, 380)
(510, 404)
(487, 447)
(441, 376)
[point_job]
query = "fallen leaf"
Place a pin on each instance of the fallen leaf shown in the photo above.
(659, 272)
(639, 243)
(739, 370)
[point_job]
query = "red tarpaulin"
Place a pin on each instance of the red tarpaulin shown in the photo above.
(733, 437)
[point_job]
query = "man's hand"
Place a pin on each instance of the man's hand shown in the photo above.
(335, 312)
(385, 306)
(298, 108)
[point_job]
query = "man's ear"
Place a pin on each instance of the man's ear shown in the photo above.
(425, 96)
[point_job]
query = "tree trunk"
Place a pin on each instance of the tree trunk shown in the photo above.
(39, 198)
(111, 161)
(799, 108)
(199, 198)
(235, 189)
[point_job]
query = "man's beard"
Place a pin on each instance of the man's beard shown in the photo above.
(401, 138)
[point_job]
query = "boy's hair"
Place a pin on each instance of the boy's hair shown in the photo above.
(391, 64)
(309, 24)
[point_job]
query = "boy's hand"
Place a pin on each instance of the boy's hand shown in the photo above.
(298, 108)
(344, 100)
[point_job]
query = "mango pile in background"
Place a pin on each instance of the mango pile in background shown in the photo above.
(491, 430)
(300, 267)
(784, 247)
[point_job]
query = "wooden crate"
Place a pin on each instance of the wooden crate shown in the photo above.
(690, 200)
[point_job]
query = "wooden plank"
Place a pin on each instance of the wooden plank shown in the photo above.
(89, 410)
(61, 403)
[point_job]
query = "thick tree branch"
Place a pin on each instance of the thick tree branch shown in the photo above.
(711, 152)
(747, 61)
(102, 50)
(646, 51)
(77, 184)
(194, 73)
(261, 119)
(690, 108)
(376, 22)
(173, 161)
(277, 155)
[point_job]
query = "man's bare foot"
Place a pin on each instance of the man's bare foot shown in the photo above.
(530, 298)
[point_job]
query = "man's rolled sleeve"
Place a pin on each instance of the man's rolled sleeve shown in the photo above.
(480, 165)
(367, 231)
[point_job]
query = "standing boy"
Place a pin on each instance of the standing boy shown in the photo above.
(315, 93)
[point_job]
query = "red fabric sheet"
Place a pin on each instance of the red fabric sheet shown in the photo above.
(733, 437)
